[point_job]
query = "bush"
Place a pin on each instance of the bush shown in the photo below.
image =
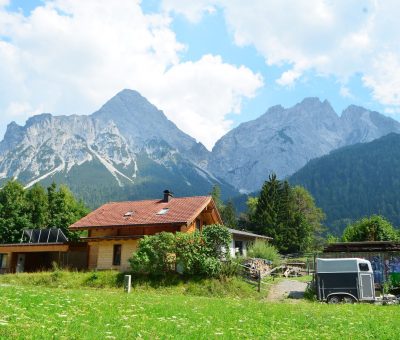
(154, 254)
(189, 253)
(263, 250)
(216, 238)
(311, 292)
(374, 228)
(232, 267)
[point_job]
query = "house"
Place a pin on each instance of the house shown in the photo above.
(241, 241)
(114, 230)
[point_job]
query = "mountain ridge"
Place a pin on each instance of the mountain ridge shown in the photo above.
(282, 140)
(123, 143)
(132, 147)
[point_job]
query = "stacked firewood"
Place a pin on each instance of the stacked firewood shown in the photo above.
(258, 267)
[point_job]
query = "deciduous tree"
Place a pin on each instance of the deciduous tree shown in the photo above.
(374, 228)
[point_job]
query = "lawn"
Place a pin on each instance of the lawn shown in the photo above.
(28, 312)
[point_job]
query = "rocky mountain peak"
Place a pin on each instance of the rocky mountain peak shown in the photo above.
(285, 139)
(38, 119)
(128, 143)
(314, 107)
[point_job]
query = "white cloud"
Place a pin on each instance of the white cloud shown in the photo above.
(70, 56)
(192, 10)
(384, 79)
(289, 77)
(198, 93)
(345, 92)
(340, 38)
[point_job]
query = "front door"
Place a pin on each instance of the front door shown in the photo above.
(20, 263)
(367, 286)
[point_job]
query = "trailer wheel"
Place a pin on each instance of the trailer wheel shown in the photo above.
(334, 299)
(348, 299)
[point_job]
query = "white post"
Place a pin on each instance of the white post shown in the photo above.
(127, 283)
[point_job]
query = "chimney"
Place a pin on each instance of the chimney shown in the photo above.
(167, 196)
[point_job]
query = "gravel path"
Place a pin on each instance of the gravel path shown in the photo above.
(287, 289)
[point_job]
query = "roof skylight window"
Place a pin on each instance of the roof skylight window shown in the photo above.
(129, 213)
(163, 211)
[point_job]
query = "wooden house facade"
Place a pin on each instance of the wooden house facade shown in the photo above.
(115, 229)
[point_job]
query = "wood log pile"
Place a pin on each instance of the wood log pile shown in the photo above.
(258, 267)
(262, 268)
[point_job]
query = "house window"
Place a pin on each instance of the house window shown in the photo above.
(117, 255)
(3, 261)
(239, 247)
(163, 211)
(198, 224)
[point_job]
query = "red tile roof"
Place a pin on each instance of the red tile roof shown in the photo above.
(182, 210)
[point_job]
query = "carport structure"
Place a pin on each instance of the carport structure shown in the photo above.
(39, 249)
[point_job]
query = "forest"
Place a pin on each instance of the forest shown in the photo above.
(355, 181)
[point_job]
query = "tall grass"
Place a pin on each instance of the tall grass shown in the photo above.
(174, 283)
(264, 250)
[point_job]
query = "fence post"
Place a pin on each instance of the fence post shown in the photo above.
(259, 281)
(127, 283)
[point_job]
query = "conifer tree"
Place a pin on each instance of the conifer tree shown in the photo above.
(229, 215)
(288, 215)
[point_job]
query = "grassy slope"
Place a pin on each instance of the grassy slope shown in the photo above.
(174, 284)
(32, 313)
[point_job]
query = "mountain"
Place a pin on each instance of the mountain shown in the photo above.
(356, 181)
(284, 140)
(126, 150)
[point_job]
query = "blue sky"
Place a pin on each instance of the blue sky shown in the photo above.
(209, 64)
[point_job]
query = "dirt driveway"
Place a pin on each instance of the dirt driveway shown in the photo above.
(287, 289)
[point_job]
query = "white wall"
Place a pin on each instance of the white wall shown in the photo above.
(233, 249)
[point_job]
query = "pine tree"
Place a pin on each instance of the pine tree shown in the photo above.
(288, 215)
(229, 215)
(266, 217)
(216, 195)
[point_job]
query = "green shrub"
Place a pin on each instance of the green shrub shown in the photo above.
(103, 279)
(154, 254)
(216, 238)
(374, 228)
(231, 267)
(263, 250)
(189, 253)
(310, 292)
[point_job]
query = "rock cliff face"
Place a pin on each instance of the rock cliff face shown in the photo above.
(128, 144)
(284, 140)
(129, 149)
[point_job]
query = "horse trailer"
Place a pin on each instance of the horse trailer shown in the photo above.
(344, 280)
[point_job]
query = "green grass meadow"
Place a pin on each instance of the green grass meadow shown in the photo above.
(33, 312)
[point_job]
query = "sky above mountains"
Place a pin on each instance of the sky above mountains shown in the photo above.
(208, 64)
